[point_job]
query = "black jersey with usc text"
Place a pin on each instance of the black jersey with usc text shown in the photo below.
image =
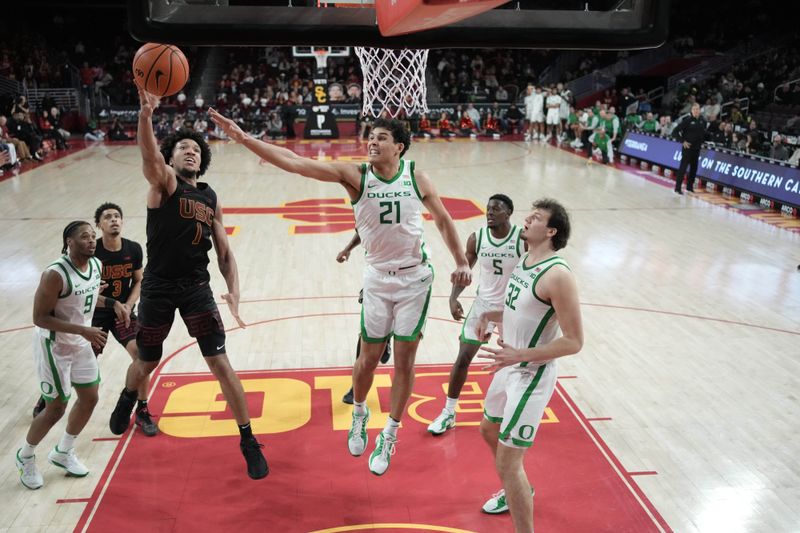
(118, 269)
(179, 237)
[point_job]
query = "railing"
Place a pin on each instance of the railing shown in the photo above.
(9, 86)
(786, 84)
(65, 97)
(742, 103)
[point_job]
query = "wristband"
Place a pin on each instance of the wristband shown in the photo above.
(110, 303)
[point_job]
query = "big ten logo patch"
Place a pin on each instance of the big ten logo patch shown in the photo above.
(285, 402)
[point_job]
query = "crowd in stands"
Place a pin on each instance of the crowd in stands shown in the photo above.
(261, 89)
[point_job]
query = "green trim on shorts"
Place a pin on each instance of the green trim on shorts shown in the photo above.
(366, 338)
(54, 369)
(463, 337)
(90, 384)
(523, 443)
(492, 419)
(521, 405)
(415, 335)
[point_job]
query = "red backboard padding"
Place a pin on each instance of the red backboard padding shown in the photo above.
(409, 16)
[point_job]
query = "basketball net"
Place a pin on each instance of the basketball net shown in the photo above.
(394, 81)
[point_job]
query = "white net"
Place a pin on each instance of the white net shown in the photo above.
(394, 81)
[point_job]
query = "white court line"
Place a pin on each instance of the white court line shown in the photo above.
(614, 466)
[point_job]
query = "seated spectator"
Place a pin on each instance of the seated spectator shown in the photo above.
(163, 128)
(778, 151)
(466, 127)
(201, 126)
(424, 127)
(274, 126)
(650, 124)
(117, 132)
(58, 123)
(48, 131)
(93, 133)
(20, 146)
(474, 114)
(754, 139)
(20, 106)
(445, 128)
(514, 119)
(21, 127)
(501, 95)
(491, 126)
(633, 122)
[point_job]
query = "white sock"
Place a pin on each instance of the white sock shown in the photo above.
(27, 450)
(450, 405)
(391, 427)
(360, 408)
(67, 442)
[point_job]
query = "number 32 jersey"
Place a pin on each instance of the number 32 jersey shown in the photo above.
(388, 215)
(528, 320)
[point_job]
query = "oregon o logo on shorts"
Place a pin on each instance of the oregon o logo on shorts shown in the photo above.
(46, 387)
(526, 432)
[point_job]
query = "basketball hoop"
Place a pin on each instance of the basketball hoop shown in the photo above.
(394, 80)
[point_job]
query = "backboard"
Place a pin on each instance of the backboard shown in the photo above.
(552, 24)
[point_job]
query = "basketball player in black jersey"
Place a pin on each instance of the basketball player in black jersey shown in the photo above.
(184, 220)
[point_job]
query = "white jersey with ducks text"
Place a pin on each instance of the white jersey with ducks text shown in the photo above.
(388, 216)
(496, 259)
(529, 321)
(77, 299)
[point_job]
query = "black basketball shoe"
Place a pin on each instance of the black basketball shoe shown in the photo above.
(121, 416)
(256, 463)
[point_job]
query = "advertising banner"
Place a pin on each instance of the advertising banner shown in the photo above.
(762, 178)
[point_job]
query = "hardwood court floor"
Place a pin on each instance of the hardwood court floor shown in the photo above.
(691, 312)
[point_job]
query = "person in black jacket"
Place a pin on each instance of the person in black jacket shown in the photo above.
(690, 132)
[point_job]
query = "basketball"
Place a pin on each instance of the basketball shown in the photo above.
(160, 69)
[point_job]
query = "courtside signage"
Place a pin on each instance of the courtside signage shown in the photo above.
(778, 182)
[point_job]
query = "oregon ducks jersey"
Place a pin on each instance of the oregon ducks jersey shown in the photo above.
(388, 216)
(77, 299)
(496, 260)
(528, 320)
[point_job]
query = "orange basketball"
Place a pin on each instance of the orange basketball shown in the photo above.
(160, 69)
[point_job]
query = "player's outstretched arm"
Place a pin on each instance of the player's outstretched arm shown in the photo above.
(430, 198)
(347, 174)
(227, 265)
(155, 169)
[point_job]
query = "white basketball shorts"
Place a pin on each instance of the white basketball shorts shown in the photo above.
(63, 366)
(479, 306)
(516, 400)
(395, 303)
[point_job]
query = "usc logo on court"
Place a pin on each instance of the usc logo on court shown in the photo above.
(197, 408)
